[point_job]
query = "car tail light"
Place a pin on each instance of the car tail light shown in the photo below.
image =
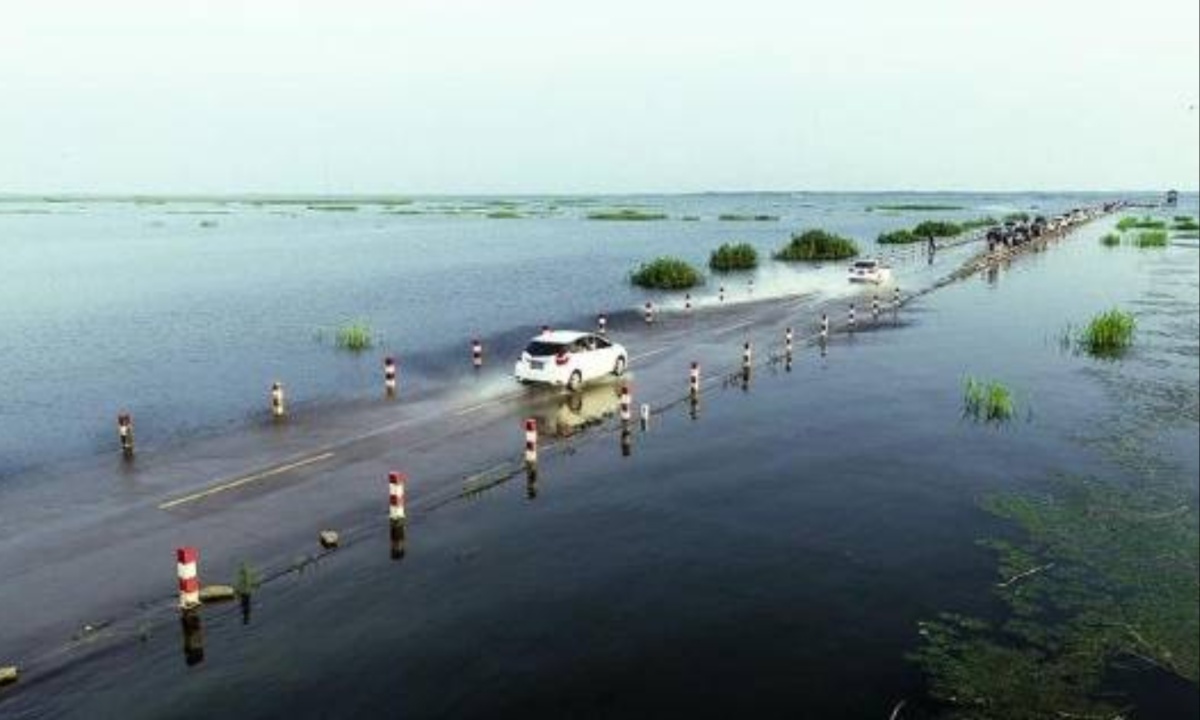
(561, 358)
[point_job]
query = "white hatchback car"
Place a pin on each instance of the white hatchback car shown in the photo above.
(870, 271)
(569, 358)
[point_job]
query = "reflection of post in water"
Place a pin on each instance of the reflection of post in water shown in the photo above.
(626, 441)
(824, 347)
(397, 535)
(531, 478)
(787, 362)
(746, 379)
(992, 274)
(193, 636)
(694, 407)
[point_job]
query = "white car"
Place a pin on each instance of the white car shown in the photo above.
(569, 358)
(871, 271)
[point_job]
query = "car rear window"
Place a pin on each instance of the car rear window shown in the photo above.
(538, 348)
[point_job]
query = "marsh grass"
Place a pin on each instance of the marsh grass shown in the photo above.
(1151, 239)
(734, 217)
(817, 244)
(247, 580)
(1108, 334)
(1017, 217)
(1185, 222)
(504, 215)
(356, 336)
(1111, 239)
(626, 214)
(1140, 223)
(979, 223)
(913, 207)
(733, 256)
(666, 273)
(987, 401)
(334, 207)
(938, 228)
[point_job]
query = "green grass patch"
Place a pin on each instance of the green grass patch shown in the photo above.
(356, 336)
(914, 207)
(1017, 217)
(1150, 239)
(733, 256)
(504, 215)
(734, 217)
(334, 207)
(979, 223)
(1140, 223)
(690, 218)
(1184, 222)
(898, 237)
(666, 273)
(938, 228)
(817, 244)
(988, 401)
(626, 214)
(1111, 239)
(1108, 334)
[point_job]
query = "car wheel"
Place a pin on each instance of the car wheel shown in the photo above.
(619, 367)
(575, 381)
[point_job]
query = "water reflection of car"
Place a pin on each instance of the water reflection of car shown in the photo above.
(565, 415)
(869, 270)
(568, 358)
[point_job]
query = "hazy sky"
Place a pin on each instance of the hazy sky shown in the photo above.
(557, 96)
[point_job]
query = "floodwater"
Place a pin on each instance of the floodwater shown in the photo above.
(768, 552)
(184, 313)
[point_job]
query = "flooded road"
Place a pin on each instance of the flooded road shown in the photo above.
(781, 539)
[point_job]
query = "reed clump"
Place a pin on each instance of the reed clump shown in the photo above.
(626, 214)
(1108, 334)
(816, 244)
(987, 400)
(914, 207)
(1141, 223)
(1111, 239)
(356, 336)
(733, 256)
(1151, 239)
(1185, 222)
(666, 273)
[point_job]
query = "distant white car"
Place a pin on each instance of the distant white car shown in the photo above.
(568, 358)
(869, 271)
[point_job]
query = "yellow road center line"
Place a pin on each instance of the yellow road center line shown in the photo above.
(232, 484)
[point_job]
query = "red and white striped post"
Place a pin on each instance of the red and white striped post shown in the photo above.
(746, 357)
(278, 406)
(186, 559)
(389, 376)
(626, 404)
(824, 327)
(787, 341)
(694, 381)
(875, 306)
(531, 439)
(687, 302)
(852, 320)
(396, 482)
(649, 313)
(721, 294)
(896, 298)
(476, 353)
(602, 324)
(125, 434)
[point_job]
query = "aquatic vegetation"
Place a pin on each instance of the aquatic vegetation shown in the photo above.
(734, 217)
(690, 218)
(334, 207)
(989, 400)
(1110, 240)
(1143, 223)
(938, 228)
(914, 207)
(666, 273)
(817, 244)
(1108, 333)
(1017, 217)
(1185, 222)
(628, 214)
(977, 223)
(1150, 239)
(356, 336)
(1100, 573)
(504, 215)
(208, 223)
(733, 256)
(898, 237)
(247, 580)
